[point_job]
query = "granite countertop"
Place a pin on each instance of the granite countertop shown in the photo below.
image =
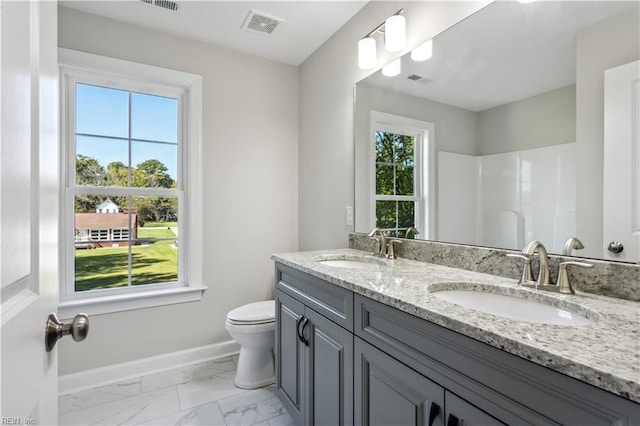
(605, 353)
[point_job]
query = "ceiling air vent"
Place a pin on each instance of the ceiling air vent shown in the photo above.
(261, 23)
(165, 4)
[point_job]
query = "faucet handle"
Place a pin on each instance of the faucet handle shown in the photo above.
(563, 276)
(391, 252)
(378, 248)
(527, 271)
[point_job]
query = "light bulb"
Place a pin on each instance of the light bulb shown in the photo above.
(395, 33)
(392, 69)
(367, 53)
(423, 52)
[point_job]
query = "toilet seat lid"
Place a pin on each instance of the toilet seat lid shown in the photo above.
(258, 312)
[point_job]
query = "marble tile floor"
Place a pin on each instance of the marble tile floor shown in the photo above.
(199, 394)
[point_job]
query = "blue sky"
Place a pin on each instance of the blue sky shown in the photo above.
(104, 112)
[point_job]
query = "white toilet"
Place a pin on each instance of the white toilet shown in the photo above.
(253, 326)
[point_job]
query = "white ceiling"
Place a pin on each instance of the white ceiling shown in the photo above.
(307, 24)
(505, 52)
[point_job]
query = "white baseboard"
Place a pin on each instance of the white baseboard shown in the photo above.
(75, 382)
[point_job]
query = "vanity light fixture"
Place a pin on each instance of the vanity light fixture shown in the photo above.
(423, 52)
(395, 34)
(395, 39)
(367, 53)
(392, 69)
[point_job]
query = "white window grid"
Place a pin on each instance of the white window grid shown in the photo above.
(71, 78)
(416, 198)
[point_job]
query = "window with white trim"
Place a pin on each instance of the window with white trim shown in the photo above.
(131, 141)
(401, 175)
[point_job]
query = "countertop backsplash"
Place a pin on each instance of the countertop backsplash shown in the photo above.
(612, 279)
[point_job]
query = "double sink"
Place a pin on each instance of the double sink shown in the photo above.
(520, 304)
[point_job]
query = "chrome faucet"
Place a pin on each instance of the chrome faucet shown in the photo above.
(572, 244)
(543, 273)
(411, 230)
(378, 235)
(391, 252)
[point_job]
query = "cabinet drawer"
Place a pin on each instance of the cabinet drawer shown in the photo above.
(335, 303)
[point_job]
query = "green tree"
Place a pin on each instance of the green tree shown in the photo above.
(88, 173)
(117, 174)
(148, 174)
(151, 174)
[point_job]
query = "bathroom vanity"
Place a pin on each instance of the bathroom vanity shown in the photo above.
(364, 340)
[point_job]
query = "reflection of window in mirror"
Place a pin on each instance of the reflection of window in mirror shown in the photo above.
(400, 174)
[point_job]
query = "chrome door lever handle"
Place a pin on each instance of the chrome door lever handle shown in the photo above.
(55, 330)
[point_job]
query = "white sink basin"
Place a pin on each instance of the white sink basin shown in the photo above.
(512, 307)
(351, 262)
(355, 264)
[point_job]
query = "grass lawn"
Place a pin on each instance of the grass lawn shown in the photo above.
(108, 267)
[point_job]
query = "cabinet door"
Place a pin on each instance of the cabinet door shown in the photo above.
(390, 393)
(290, 357)
(461, 413)
(331, 371)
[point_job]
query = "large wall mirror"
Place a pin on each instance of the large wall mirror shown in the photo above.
(523, 125)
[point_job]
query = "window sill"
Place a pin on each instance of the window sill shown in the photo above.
(127, 302)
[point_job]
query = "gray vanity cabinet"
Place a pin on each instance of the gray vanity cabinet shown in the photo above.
(346, 359)
(314, 355)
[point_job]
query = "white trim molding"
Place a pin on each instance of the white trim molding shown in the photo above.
(128, 301)
(75, 382)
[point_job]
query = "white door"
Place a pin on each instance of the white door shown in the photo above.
(29, 209)
(622, 162)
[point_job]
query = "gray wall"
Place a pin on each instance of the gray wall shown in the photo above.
(543, 120)
(250, 189)
(604, 45)
(455, 128)
(327, 79)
